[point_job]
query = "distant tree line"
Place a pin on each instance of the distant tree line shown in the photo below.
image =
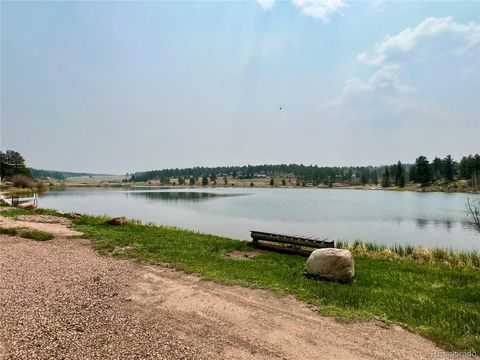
(59, 175)
(39, 173)
(446, 170)
(422, 171)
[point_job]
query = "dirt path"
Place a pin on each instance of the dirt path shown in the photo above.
(59, 299)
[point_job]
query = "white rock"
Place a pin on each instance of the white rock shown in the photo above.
(332, 264)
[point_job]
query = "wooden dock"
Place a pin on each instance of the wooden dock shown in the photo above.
(18, 201)
(295, 244)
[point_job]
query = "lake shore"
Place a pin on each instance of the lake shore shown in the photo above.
(263, 184)
(61, 299)
(436, 299)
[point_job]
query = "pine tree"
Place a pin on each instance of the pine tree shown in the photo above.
(386, 175)
(412, 174)
(437, 169)
(364, 176)
(399, 175)
(448, 167)
(422, 169)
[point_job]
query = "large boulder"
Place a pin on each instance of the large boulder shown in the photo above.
(331, 264)
(26, 205)
(118, 220)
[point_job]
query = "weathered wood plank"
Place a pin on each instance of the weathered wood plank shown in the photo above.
(256, 235)
(294, 240)
(283, 249)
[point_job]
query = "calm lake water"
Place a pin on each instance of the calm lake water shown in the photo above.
(382, 217)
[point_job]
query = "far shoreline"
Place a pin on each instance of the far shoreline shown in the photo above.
(407, 188)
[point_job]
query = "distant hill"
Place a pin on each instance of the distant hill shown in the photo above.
(59, 175)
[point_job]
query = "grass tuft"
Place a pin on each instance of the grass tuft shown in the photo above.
(8, 231)
(36, 235)
(28, 234)
(12, 212)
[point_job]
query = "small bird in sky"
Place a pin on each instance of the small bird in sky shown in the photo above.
(280, 108)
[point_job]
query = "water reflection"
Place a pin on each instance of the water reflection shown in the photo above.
(174, 196)
(447, 224)
(421, 223)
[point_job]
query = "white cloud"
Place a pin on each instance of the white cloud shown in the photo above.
(266, 4)
(436, 52)
(465, 37)
(384, 80)
(320, 9)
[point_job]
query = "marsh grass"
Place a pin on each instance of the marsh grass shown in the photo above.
(437, 256)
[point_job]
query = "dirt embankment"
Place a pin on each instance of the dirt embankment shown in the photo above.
(60, 299)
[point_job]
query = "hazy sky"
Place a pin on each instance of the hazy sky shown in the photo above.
(113, 87)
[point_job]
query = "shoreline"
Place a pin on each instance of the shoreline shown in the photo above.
(147, 308)
(409, 289)
(414, 188)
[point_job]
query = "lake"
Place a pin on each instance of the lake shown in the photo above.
(382, 217)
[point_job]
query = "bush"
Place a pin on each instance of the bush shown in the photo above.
(40, 186)
(22, 182)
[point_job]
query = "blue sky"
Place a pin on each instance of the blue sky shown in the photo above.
(126, 86)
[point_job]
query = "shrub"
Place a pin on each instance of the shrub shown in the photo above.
(22, 182)
(40, 186)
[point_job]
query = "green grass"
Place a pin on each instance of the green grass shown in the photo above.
(35, 235)
(27, 234)
(437, 300)
(8, 231)
(12, 211)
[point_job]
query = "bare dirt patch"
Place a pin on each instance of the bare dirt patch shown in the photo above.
(57, 229)
(256, 324)
(243, 255)
(60, 299)
(123, 249)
